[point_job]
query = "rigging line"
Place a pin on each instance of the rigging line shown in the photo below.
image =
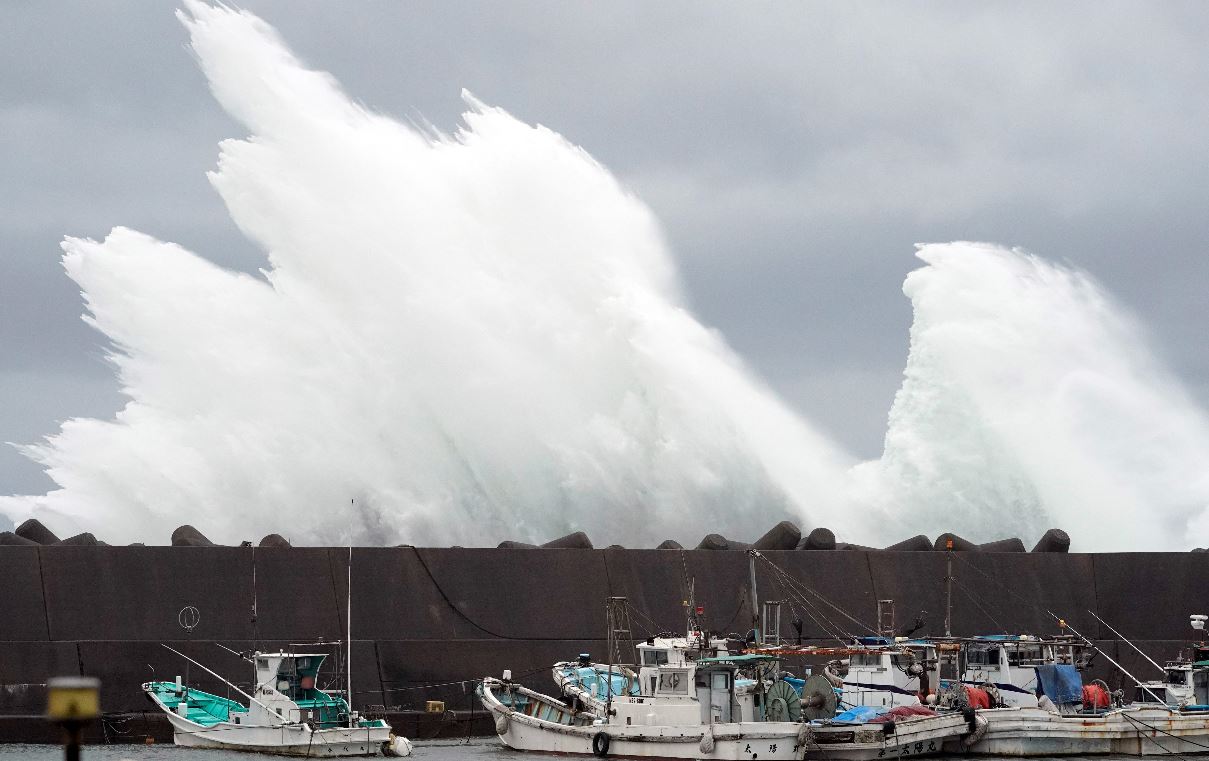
(1156, 729)
(476, 680)
(1023, 600)
(793, 581)
(829, 627)
(798, 584)
(652, 625)
(449, 602)
(978, 605)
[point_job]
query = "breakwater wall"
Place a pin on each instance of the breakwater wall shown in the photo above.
(424, 620)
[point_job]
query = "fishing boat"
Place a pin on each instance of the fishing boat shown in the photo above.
(589, 684)
(1080, 729)
(1062, 716)
(285, 714)
(710, 708)
(693, 698)
(1185, 682)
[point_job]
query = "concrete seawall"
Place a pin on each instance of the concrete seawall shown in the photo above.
(425, 617)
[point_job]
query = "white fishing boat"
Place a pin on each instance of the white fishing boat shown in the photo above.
(1134, 730)
(705, 709)
(691, 698)
(588, 684)
(1067, 718)
(285, 714)
(1185, 682)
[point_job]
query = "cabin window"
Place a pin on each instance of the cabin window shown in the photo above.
(1024, 654)
(673, 682)
(1175, 677)
(720, 681)
(654, 657)
(865, 660)
(262, 663)
(980, 657)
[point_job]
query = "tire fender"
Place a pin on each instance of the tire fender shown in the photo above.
(600, 744)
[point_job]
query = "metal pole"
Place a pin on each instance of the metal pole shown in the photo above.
(348, 656)
(949, 589)
(755, 598)
(71, 750)
(1123, 639)
(1120, 668)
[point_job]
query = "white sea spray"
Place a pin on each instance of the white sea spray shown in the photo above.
(469, 337)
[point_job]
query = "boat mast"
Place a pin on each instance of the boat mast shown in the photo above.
(949, 588)
(348, 630)
(755, 598)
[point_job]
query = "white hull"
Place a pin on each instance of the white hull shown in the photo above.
(583, 734)
(732, 742)
(282, 740)
(1133, 731)
(922, 736)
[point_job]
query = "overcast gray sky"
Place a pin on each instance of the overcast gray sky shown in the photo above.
(794, 152)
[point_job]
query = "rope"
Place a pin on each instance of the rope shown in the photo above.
(801, 589)
(449, 602)
(978, 605)
(796, 584)
(530, 672)
(1156, 729)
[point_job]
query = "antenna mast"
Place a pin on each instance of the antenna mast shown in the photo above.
(755, 598)
(348, 630)
(949, 588)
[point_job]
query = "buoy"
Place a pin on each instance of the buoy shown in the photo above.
(396, 747)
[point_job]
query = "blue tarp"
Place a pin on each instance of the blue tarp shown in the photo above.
(596, 682)
(795, 683)
(859, 714)
(1061, 683)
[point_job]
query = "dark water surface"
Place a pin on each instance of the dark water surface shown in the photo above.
(480, 749)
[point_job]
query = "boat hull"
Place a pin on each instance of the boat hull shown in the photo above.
(923, 736)
(567, 732)
(280, 740)
(731, 743)
(1133, 731)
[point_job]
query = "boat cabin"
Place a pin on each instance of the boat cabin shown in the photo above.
(288, 685)
(1185, 679)
(889, 672)
(658, 653)
(1008, 662)
(707, 690)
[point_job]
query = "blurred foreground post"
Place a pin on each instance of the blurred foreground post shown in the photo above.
(73, 702)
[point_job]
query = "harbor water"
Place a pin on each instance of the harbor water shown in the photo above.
(479, 749)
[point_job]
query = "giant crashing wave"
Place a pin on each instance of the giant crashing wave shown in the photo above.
(463, 337)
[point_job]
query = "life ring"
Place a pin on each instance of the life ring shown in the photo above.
(600, 744)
